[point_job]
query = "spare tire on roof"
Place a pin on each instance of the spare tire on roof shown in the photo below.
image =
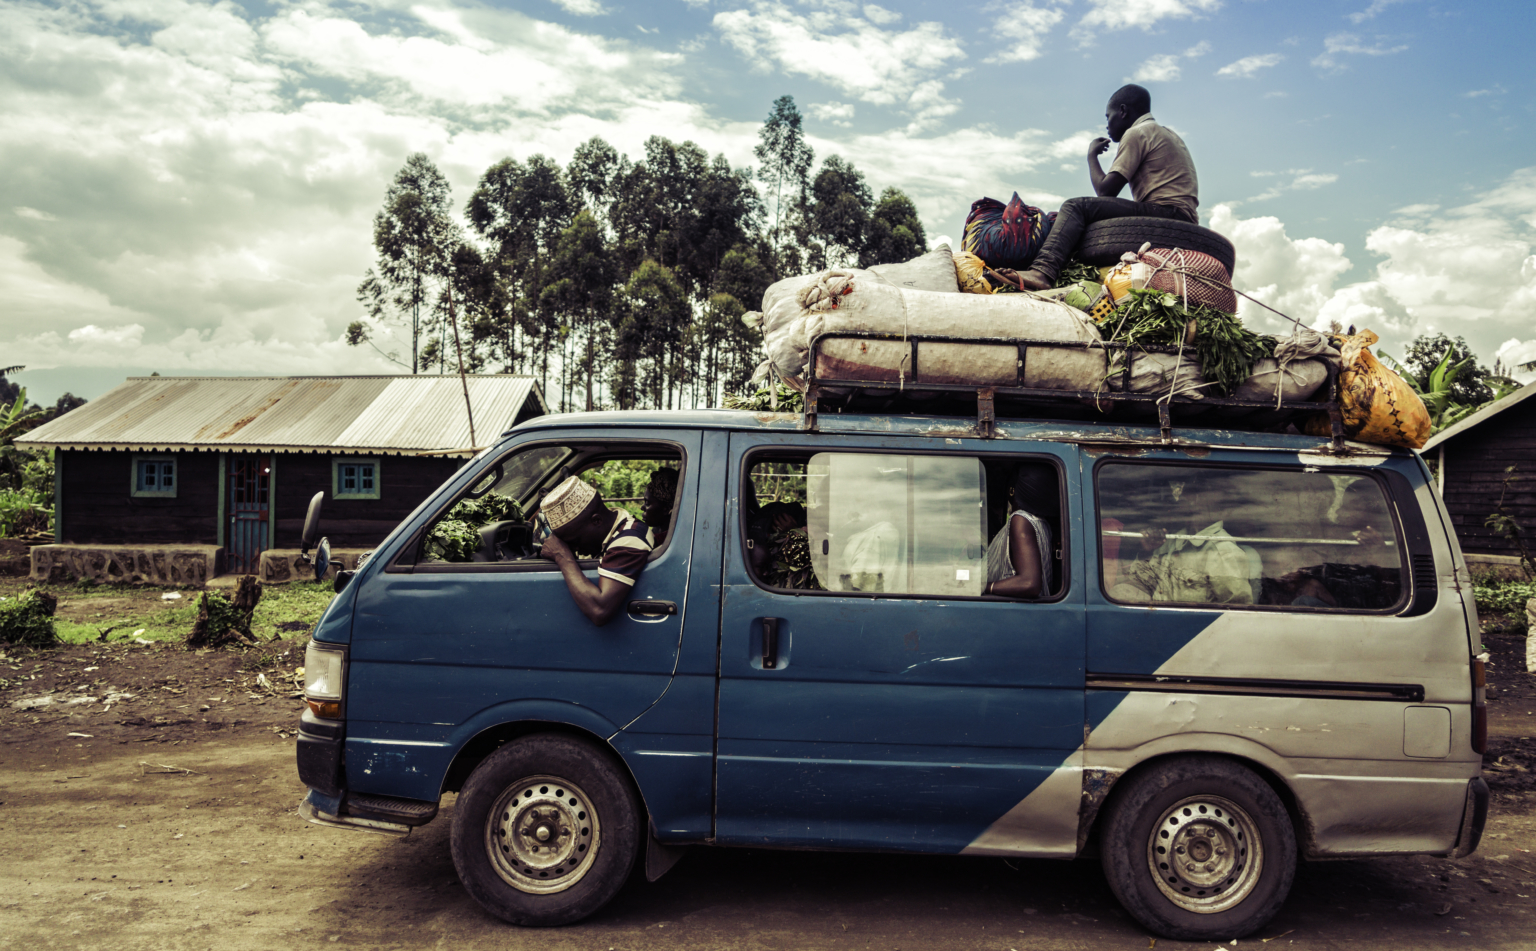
(1104, 241)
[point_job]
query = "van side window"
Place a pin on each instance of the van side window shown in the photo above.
(1247, 537)
(872, 523)
(492, 522)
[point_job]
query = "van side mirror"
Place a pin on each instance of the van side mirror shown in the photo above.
(322, 558)
(312, 522)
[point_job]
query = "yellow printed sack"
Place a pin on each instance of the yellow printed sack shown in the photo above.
(970, 271)
(1377, 406)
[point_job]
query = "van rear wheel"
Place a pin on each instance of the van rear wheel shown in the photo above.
(545, 831)
(1199, 848)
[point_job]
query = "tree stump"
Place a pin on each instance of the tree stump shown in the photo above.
(222, 622)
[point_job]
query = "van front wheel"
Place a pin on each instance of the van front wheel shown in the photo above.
(1199, 848)
(545, 831)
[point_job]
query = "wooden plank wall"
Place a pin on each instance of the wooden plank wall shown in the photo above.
(1475, 464)
(354, 523)
(99, 508)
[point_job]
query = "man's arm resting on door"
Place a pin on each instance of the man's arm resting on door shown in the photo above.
(600, 601)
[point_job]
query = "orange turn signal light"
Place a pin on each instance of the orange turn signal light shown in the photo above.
(325, 709)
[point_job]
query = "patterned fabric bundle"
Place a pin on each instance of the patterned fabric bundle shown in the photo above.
(1006, 235)
(1199, 276)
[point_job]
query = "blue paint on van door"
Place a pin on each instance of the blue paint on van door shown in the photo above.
(440, 655)
(894, 723)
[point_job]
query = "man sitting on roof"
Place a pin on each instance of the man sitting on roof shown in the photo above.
(579, 521)
(1152, 158)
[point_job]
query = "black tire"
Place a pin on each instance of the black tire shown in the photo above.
(1104, 241)
(1240, 849)
(564, 850)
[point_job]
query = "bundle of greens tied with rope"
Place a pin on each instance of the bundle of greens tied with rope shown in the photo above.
(1226, 350)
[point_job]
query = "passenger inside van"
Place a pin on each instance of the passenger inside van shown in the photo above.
(656, 506)
(1019, 559)
(1360, 571)
(579, 521)
(1180, 562)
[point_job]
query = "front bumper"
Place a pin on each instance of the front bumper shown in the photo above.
(320, 754)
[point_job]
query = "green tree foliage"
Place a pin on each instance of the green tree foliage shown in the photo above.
(895, 231)
(835, 225)
(1469, 379)
(619, 282)
(414, 235)
(784, 160)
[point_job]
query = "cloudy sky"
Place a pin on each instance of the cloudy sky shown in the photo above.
(189, 186)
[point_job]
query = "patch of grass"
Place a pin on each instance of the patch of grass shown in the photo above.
(1497, 595)
(285, 611)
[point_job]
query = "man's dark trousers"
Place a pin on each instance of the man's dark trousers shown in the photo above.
(1077, 214)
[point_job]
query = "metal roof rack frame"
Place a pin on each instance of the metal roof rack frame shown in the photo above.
(1020, 401)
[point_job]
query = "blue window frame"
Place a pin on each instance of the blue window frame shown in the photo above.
(154, 478)
(353, 478)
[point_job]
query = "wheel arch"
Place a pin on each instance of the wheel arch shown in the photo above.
(1300, 823)
(494, 737)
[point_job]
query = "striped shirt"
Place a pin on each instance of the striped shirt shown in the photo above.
(628, 545)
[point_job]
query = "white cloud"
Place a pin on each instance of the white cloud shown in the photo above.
(1296, 179)
(1111, 15)
(1514, 352)
(852, 54)
(1496, 89)
(1165, 68)
(1158, 69)
(1025, 27)
(1467, 270)
(879, 15)
(1250, 65)
(1292, 275)
(1341, 44)
(582, 8)
(837, 113)
(1376, 7)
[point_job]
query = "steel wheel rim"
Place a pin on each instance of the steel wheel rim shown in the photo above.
(542, 835)
(1205, 854)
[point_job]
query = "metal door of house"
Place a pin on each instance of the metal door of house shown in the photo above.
(249, 483)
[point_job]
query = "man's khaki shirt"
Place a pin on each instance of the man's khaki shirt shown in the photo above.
(1157, 164)
(1207, 569)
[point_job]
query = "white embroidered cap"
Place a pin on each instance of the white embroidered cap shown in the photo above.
(566, 501)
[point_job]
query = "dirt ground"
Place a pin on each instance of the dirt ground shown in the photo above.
(151, 803)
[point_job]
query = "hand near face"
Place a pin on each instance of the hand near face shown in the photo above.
(554, 546)
(1153, 538)
(1098, 146)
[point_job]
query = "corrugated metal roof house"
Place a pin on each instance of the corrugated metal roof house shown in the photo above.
(1475, 458)
(233, 461)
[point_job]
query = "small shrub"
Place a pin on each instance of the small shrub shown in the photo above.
(1496, 596)
(27, 619)
(222, 622)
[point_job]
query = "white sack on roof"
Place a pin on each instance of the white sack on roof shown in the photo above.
(1162, 374)
(934, 271)
(855, 301)
(1298, 381)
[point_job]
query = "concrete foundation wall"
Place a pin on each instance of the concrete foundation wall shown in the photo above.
(282, 564)
(127, 564)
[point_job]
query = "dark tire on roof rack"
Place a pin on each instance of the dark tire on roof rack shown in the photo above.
(1104, 241)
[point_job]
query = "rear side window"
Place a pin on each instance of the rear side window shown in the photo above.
(893, 524)
(1248, 537)
(883, 524)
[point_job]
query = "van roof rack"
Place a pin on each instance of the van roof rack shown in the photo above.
(908, 391)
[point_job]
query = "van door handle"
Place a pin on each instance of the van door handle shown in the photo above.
(652, 608)
(770, 643)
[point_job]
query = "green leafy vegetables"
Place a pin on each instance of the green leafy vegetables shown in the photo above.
(1226, 349)
(456, 536)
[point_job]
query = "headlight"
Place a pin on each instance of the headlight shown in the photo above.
(324, 680)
